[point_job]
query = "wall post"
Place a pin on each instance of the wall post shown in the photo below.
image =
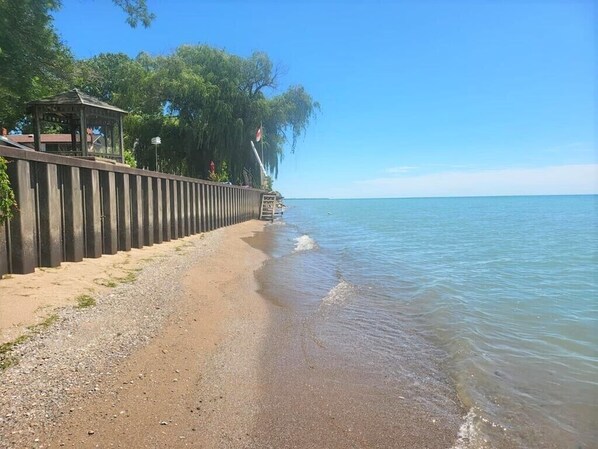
(90, 183)
(50, 223)
(124, 211)
(109, 228)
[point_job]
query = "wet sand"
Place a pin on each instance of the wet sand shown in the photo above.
(233, 369)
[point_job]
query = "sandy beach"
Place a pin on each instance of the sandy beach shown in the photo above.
(187, 354)
(180, 373)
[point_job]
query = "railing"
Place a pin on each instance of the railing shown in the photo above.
(71, 208)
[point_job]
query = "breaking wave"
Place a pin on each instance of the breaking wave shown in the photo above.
(339, 293)
(305, 243)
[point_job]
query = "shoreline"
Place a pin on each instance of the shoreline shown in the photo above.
(216, 364)
(320, 395)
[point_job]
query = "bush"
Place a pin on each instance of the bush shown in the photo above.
(8, 203)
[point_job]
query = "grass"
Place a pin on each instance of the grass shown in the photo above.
(7, 357)
(50, 319)
(105, 282)
(85, 301)
(129, 278)
(113, 281)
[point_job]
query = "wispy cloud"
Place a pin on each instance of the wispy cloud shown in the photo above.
(553, 180)
(399, 170)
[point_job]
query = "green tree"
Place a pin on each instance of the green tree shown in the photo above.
(33, 61)
(219, 100)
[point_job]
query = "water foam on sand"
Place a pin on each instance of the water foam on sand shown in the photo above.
(469, 436)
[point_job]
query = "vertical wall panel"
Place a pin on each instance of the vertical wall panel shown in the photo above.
(148, 211)
(3, 251)
(166, 215)
(219, 206)
(181, 208)
(90, 183)
(174, 209)
(123, 195)
(22, 227)
(137, 239)
(50, 227)
(203, 208)
(187, 207)
(210, 200)
(158, 229)
(193, 205)
(73, 214)
(109, 229)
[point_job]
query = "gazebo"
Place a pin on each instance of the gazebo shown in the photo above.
(100, 124)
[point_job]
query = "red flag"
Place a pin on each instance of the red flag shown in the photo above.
(258, 134)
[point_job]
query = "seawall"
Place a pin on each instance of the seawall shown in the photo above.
(71, 208)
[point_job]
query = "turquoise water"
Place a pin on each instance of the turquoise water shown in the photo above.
(502, 294)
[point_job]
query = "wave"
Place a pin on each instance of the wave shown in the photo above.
(276, 223)
(305, 243)
(339, 293)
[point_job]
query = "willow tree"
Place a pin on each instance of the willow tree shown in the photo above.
(221, 99)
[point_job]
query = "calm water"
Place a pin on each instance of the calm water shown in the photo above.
(496, 297)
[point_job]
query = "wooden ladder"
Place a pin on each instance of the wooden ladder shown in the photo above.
(268, 207)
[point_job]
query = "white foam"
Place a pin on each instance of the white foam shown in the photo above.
(305, 243)
(338, 294)
(469, 437)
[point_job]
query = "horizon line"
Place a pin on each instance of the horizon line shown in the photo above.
(440, 197)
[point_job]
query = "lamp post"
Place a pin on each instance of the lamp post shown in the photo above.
(155, 142)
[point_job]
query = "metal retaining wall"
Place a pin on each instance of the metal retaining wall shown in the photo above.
(72, 208)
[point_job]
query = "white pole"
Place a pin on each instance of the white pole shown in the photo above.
(262, 169)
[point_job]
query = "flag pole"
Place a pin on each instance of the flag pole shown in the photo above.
(262, 140)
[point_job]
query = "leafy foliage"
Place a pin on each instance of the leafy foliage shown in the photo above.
(219, 175)
(136, 12)
(34, 62)
(8, 203)
(130, 158)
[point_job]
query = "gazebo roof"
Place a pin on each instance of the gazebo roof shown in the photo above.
(73, 98)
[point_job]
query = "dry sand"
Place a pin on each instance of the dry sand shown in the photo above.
(180, 387)
(26, 300)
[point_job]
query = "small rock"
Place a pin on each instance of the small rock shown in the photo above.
(90, 432)
(163, 423)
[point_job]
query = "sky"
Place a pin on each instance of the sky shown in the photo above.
(418, 98)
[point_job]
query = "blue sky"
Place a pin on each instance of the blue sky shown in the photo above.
(426, 98)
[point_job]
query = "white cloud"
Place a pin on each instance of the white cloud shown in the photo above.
(398, 170)
(553, 180)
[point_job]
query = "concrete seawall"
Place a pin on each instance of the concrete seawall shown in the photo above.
(72, 208)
